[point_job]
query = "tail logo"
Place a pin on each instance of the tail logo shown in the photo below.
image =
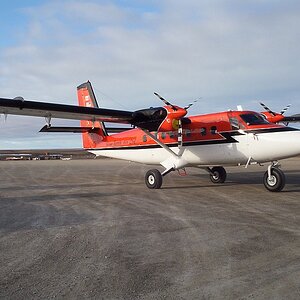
(88, 102)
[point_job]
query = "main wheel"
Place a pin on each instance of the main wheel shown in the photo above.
(218, 175)
(276, 182)
(153, 179)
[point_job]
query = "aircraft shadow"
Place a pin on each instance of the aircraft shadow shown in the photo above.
(56, 186)
(59, 197)
(249, 178)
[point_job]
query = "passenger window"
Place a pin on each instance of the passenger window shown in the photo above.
(213, 130)
(203, 131)
(171, 134)
(163, 135)
(144, 138)
(188, 133)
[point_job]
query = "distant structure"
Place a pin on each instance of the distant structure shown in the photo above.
(51, 154)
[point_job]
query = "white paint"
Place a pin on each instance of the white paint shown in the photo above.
(262, 147)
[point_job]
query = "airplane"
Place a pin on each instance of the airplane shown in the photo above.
(166, 136)
(15, 156)
(274, 117)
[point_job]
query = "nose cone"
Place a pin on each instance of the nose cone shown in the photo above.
(292, 141)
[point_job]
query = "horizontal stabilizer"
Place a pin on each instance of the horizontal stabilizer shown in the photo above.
(47, 128)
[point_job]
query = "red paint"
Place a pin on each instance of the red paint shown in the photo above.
(206, 127)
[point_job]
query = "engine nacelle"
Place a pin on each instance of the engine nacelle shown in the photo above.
(171, 122)
(159, 118)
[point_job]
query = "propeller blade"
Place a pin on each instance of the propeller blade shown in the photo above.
(192, 103)
(285, 109)
(267, 108)
(180, 140)
(165, 101)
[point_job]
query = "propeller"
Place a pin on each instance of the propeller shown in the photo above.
(180, 119)
(174, 107)
(165, 101)
(180, 132)
(285, 109)
(272, 112)
(192, 103)
(267, 108)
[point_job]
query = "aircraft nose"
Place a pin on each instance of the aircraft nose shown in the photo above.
(278, 145)
(290, 142)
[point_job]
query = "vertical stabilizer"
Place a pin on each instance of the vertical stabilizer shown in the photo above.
(86, 97)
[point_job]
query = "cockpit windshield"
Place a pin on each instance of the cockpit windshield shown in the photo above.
(253, 119)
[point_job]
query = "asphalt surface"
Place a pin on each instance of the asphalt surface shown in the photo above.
(90, 229)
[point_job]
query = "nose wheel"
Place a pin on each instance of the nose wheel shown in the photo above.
(274, 180)
(153, 179)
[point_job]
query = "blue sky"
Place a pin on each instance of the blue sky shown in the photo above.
(228, 52)
(14, 20)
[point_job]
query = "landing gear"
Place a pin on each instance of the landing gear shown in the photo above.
(274, 179)
(153, 179)
(217, 174)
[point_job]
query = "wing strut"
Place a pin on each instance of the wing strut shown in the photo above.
(173, 162)
(159, 142)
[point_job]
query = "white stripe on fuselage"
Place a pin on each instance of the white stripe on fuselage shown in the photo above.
(261, 147)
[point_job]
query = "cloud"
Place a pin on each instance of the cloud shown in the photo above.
(227, 52)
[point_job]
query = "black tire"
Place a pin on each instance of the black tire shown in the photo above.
(153, 179)
(277, 181)
(218, 175)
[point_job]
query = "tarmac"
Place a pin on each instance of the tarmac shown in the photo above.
(90, 229)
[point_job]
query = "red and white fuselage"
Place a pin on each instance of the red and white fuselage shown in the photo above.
(214, 139)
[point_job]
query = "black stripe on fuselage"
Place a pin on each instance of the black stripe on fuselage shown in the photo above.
(271, 130)
(228, 138)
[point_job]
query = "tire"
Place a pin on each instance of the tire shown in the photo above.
(277, 181)
(218, 175)
(153, 179)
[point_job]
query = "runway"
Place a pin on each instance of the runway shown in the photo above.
(90, 229)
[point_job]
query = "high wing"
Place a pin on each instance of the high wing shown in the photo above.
(150, 118)
(63, 111)
(81, 129)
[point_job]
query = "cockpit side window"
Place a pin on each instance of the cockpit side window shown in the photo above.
(253, 119)
(234, 122)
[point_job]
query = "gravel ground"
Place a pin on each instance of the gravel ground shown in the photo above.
(90, 229)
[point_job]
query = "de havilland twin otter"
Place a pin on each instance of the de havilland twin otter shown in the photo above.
(166, 136)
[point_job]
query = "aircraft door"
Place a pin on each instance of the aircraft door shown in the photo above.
(243, 148)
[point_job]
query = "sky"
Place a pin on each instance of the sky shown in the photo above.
(223, 52)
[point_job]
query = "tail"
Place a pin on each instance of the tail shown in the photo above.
(86, 97)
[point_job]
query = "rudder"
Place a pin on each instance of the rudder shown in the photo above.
(86, 97)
